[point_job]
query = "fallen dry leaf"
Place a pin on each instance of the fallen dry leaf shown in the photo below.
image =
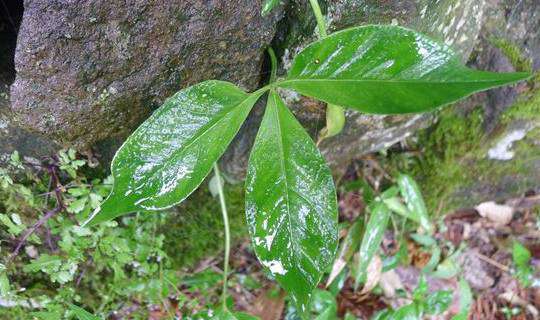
(268, 307)
(373, 273)
(498, 213)
(514, 299)
(389, 283)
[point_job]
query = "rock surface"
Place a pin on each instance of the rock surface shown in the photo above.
(93, 70)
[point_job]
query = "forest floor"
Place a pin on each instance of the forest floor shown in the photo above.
(477, 244)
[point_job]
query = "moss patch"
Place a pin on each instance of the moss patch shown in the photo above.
(196, 230)
(453, 169)
(514, 54)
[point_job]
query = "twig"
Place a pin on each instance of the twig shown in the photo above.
(493, 262)
(49, 214)
(81, 275)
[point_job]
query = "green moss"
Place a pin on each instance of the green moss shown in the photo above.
(453, 169)
(13, 313)
(196, 230)
(514, 54)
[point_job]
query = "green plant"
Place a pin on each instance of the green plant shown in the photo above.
(290, 195)
(64, 263)
(423, 304)
(523, 270)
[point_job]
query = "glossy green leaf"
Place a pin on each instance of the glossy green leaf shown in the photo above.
(433, 260)
(386, 70)
(350, 316)
(465, 300)
(520, 255)
(4, 283)
(372, 239)
(424, 240)
(291, 204)
(268, 6)
(347, 249)
(398, 207)
(323, 305)
(438, 302)
(415, 201)
(171, 153)
(421, 288)
(224, 314)
(82, 314)
(335, 121)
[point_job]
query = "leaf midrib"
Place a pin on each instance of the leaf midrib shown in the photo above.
(295, 244)
(206, 128)
(285, 82)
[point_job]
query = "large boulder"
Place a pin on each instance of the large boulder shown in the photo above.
(89, 71)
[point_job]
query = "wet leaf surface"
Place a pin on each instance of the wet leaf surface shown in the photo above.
(291, 204)
(415, 201)
(386, 69)
(82, 314)
(171, 153)
(372, 239)
(268, 6)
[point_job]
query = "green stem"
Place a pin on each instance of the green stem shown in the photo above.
(273, 60)
(335, 116)
(321, 24)
(227, 234)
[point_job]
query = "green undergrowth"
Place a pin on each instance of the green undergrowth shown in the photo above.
(196, 231)
(138, 257)
(453, 168)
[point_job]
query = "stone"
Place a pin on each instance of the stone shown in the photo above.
(509, 41)
(14, 138)
(93, 71)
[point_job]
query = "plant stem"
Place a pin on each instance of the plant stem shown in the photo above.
(335, 116)
(227, 234)
(273, 60)
(321, 24)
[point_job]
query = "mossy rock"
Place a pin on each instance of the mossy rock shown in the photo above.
(456, 169)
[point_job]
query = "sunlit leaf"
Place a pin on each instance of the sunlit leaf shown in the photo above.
(225, 314)
(4, 284)
(347, 249)
(433, 260)
(421, 288)
(522, 257)
(446, 269)
(398, 207)
(415, 201)
(425, 240)
(268, 6)
(171, 153)
(465, 300)
(82, 314)
(438, 302)
(323, 305)
(291, 205)
(386, 70)
(349, 316)
(372, 238)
